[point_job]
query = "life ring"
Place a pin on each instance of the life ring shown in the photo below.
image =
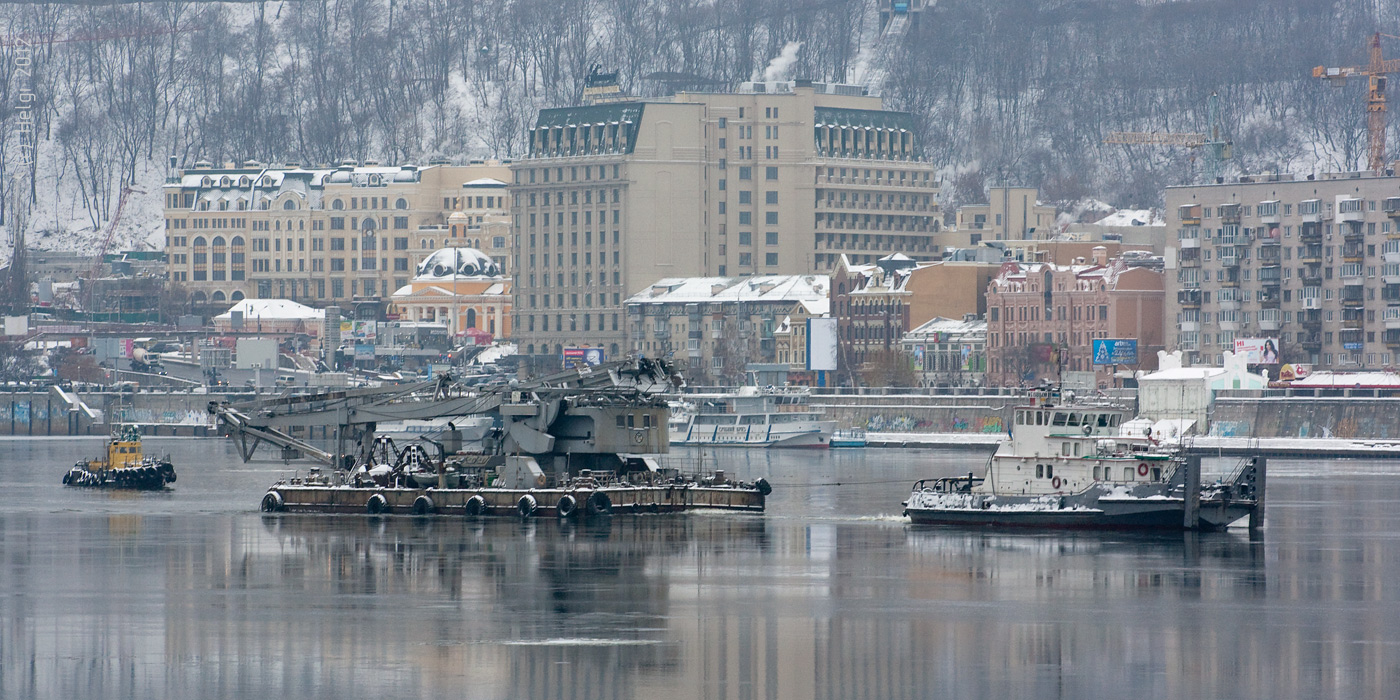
(566, 506)
(376, 504)
(476, 505)
(526, 505)
(422, 506)
(272, 502)
(1142, 468)
(599, 503)
(1088, 430)
(764, 488)
(1055, 483)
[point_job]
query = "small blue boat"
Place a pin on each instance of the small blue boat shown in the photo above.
(855, 437)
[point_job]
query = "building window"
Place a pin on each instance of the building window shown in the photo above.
(771, 173)
(770, 259)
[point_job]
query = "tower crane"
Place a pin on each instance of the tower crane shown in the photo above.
(1375, 72)
(1220, 149)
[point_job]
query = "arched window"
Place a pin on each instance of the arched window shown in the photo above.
(225, 181)
(401, 203)
(367, 224)
(218, 297)
(199, 298)
(236, 297)
(289, 205)
(471, 318)
(337, 205)
(206, 182)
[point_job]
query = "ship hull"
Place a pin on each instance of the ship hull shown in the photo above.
(544, 502)
(151, 476)
(817, 434)
(1085, 511)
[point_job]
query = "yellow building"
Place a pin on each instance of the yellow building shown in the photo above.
(460, 287)
(1011, 213)
(325, 235)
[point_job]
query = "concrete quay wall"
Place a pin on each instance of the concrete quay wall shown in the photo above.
(1306, 417)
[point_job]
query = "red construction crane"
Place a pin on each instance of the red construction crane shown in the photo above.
(1376, 72)
(111, 231)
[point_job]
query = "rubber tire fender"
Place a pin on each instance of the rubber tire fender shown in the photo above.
(566, 506)
(526, 506)
(377, 504)
(423, 505)
(476, 505)
(272, 502)
(599, 504)
(764, 488)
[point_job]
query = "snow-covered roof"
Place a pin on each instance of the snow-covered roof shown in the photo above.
(1182, 373)
(1348, 380)
(484, 182)
(273, 308)
(810, 290)
(453, 263)
(1133, 217)
(947, 326)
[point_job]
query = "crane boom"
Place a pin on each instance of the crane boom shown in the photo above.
(1156, 139)
(1375, 72)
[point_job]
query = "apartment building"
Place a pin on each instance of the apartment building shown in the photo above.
(1042, 319)
(721, 324)
(352, 233)
(773, 179)
(1312, 264)
(1010, 214)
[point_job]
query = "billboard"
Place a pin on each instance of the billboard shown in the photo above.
(1288, 373)
(918, 358)
(1257, 351)
(574, 357)
(821, 344)
(1115, 351)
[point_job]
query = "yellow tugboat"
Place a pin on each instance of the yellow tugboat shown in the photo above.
(124, 466)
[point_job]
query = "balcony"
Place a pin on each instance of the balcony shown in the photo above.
(1310, 210)
(1228, 303)
(1311, 341)
(1269, 257)
(1231, 260)
(1350, 210)
(1352, 297)
(1190, 214)
(1270, 320)
(1311, 320)
(1392, 318)
(1354, 324)
(1191, 262)
(1187, 326)
(1392, 207)
(1269, 236)
(1189, 298)
(1390, 273)
(1268, 212)
(1392, 338)
(1352, 230)
(1230, 213)
(1231, 282)
(1186, 243)
(1270, 299)
(1310, 232)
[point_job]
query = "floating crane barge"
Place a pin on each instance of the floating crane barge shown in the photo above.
(578, 443)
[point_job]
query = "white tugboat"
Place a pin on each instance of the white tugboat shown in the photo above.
(1066, 466)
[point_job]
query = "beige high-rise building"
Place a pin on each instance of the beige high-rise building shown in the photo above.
(1010, 214)
(775, 178)
(1310, 264)
(354, 233)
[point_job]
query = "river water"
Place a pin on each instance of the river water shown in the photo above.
(192, 593)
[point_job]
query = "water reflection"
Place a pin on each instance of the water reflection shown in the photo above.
(826, 596)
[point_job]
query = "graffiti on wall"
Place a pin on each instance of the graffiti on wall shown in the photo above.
(901, 423)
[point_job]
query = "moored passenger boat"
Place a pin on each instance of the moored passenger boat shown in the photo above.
(750, 417)
(1065, 465)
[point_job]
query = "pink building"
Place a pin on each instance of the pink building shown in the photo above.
(1042, 319)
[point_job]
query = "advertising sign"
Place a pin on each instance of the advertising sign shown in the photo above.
(821, 344)
(1288, 373)
(918, 358)
(573, 357)
(966, 358)
(1115, 351)
(1258, 351)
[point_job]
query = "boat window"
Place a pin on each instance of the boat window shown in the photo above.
(715, 419)
(1097, 473)
(1020, 418)
(751, 419)
(1064, 448)
(1113, 420)
(1059, 418)
(1127, 473)
(1041, 417)
(1073, 419)
(1049, 471)
(621, 422)
(1156, 473)
(646, 420)
(631, 420)
(1103, 419)
(1040, 471)
(1076, 449)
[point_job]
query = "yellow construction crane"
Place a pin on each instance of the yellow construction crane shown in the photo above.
(1220, 149)
(1376, 72)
